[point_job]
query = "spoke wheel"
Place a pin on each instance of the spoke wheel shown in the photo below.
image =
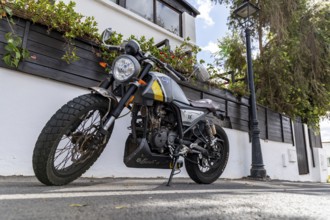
(75, 148)
(207, 170)
(71, 142)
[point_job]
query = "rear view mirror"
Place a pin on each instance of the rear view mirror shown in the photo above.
(106, 35)
(201, 73)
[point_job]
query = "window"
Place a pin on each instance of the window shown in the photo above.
(156, 11)
(141, 7)
(167, 18)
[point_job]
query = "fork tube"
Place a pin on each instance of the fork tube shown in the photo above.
(121, 105)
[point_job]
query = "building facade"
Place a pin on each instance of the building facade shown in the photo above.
(158, 19)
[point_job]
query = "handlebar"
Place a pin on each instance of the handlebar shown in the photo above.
(179, 75)
(113, 47)
(169, 68)
(166, 66)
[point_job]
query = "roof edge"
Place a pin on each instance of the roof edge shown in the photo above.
(192, 8)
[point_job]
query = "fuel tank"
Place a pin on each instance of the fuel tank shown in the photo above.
(164, 89)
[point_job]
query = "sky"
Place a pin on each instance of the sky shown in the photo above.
(211, 25)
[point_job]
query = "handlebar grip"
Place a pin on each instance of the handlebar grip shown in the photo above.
(113, 47)
(179, 75)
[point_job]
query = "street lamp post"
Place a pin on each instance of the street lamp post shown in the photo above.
(245, 10)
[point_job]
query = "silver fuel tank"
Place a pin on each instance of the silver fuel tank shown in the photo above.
(164, 89)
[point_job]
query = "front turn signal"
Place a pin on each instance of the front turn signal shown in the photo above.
(103, 64)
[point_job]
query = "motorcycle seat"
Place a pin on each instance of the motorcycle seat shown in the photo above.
(205, 103)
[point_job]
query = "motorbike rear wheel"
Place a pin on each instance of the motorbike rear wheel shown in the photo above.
(70, 142)
(204, 171)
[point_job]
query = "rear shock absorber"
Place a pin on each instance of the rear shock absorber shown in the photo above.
(210, 129)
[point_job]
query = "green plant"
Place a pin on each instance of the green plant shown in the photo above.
(56, 16)
(182, 58)
(4, 10)
(292, 67)
(109, 56)
(15, 53)
(70, 53)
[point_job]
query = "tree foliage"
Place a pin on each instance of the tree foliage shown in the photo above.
(292, 68)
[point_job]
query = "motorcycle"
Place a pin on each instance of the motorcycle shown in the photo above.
(165, 125)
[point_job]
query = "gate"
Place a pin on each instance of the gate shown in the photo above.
(300, 142)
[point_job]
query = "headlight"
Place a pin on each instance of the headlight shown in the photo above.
(125, 67)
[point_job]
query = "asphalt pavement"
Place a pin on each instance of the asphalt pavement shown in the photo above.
(122, 198)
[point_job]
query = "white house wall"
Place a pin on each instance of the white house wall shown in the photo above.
(108, 14)
(189, 27)
(326, 146)
(27, 103)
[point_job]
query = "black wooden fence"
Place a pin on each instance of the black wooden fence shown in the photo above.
(46, 50)
(273, 126)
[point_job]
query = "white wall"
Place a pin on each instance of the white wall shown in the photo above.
(27, 102)
(108, 14)
(326, 146)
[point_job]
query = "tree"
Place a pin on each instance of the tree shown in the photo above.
(292, 68)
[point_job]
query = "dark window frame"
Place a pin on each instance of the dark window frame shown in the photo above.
(172, 8)
(122, 3)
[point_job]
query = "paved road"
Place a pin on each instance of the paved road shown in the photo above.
(25, 198)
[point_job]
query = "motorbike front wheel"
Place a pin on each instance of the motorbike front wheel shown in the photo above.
(70, 142)
(207, 170)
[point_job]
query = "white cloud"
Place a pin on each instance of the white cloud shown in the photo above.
(204, 7)
(211, 47)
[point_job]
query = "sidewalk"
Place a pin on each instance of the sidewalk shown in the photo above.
(123, 198)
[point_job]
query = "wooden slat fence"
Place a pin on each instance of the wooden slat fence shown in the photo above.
(46, 50)
(273, 126)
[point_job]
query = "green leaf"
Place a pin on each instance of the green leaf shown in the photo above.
(7, 60)
(17, 55)
(25, 54)
(15, 62)
(9, 47)
(8, 11)
(8, 35)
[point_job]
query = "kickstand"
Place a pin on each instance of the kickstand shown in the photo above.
(173, 170)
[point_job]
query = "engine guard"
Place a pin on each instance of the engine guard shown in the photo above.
(138, 155)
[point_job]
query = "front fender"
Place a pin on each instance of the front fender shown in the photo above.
(105, 93)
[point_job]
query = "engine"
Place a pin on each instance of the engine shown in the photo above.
(162, 125)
